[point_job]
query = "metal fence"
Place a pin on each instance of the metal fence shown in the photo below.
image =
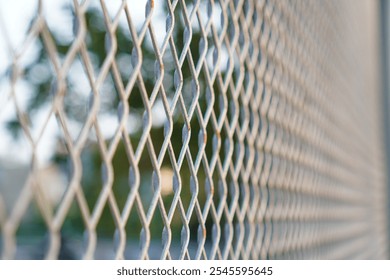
(198, 129)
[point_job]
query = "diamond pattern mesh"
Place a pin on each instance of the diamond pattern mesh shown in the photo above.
(196, 129)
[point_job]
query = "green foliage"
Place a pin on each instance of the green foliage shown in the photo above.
(92, 163)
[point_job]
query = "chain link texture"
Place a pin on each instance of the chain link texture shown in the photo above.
(267, 144)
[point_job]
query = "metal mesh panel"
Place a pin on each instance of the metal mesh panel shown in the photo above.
(197, 130)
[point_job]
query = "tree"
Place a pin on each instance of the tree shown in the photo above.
(75, 103)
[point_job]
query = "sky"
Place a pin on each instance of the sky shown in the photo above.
(15, 17)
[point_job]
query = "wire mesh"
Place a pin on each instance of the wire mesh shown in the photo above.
(196, 130)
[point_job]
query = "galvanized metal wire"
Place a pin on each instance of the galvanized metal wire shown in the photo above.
(276, 105)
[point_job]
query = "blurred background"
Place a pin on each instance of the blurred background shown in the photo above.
(49, 159)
